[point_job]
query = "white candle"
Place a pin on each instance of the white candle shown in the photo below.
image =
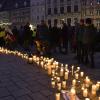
(93, 87)
(93, 92)
(58, 79)
(97, 86)
(61, 72)
(53, 84)
(49, 70)
(59, 86)
(85, 93)
(74, 82)
(57, 96)
(78, 68)
(87, 98)
(99, 98)
(87, 81)
(72, 70)
(73, 91)
(42, 63)
(63, 84)
(30, 60)
(82, 74)
(76, 75)
(66, 76)
(53, 72)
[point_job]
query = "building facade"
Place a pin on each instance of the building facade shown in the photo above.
(91, 9)
(68, 10)
(37, 11)
(16, 12)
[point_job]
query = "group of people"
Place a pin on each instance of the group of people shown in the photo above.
(80, 39)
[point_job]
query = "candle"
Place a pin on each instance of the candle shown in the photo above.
(59, 86)
(72, 70)
(97, 86)
(87, 81)
(82, 74)
(78, 68)
(63, 84)
(74, 82)
(57, 96)
(93, 92)
(73, 91)
(99, 98)
(58, 79)
(85, 93)
(76, 75)
(93, 87)
(49, 70)
(30, 60)
(61, 72)
(53, 84)
(66, 76)
(87, 98)
(53, 72)
(42, 63)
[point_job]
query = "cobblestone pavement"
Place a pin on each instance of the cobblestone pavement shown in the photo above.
(70, 59)
(21, 81)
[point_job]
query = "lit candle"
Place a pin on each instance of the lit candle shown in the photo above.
(66, 76)
(97, 86)
(61, 72)
(49, 70)
(78, 68)
(76, 75)
(85, 93)
(87, 81)
(58, 79)
(82, 74)
(57, 96)
(59, 86)
(93, 87)
(93, 92)
(53, 84)
(53, 72)
(63, 84)
(72, 70)
(87, 98)
(74, 82)
(73, 91)
(30, 60)
(42, 63)
(99, 98)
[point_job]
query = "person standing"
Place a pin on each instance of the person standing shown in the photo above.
(79, 43)
(64, 32)
(89, 42)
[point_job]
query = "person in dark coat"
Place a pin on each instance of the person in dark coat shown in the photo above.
(89, 42)
(64, 32)
(79, 36)
(27, 36)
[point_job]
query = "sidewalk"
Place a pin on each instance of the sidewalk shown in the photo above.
(21, 81)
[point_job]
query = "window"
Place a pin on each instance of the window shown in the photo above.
(69, 9)
(49, 22)
(55, 21)
(55, 11)
(37, 17)
(49, 11)
(54, 1)
(62, 10)
(61, 1)
(76, 8)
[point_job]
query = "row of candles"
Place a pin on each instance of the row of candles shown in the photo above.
(63, 77)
